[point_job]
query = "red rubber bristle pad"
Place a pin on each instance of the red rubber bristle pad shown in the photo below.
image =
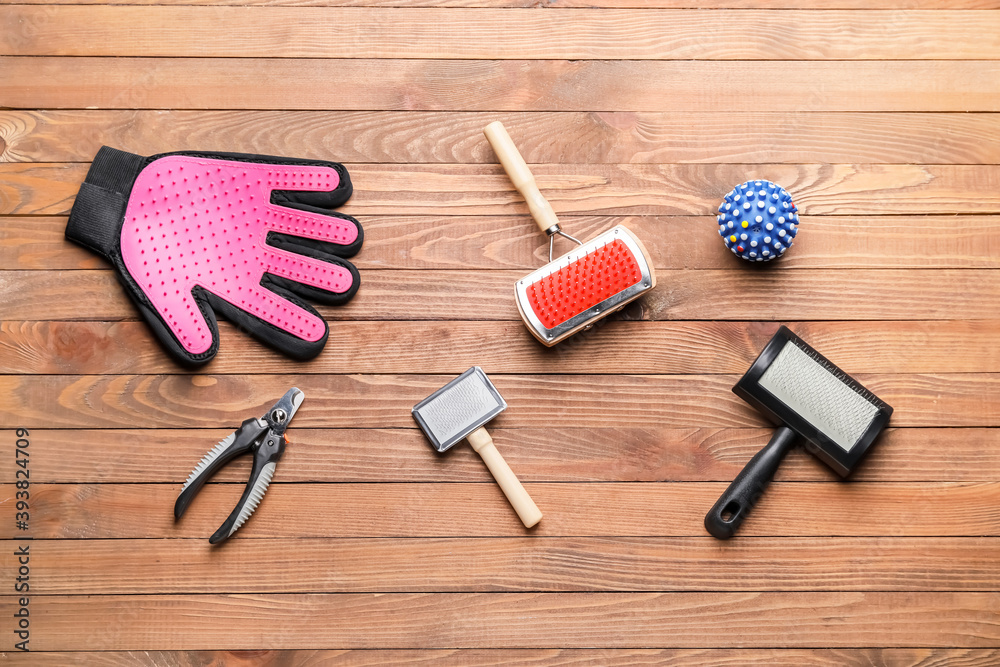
(583, 284)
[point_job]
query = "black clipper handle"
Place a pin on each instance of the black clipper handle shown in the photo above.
(265, 459)
(725, 517)
(242, 442)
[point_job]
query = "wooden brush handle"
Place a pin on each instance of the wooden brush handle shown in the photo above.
(520, 175)
(520, 500)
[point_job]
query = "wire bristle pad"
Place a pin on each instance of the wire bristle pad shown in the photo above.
(584, 283)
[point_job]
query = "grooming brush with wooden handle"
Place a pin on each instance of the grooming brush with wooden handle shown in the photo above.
(584, 285)
(807, 397)
(460, 411)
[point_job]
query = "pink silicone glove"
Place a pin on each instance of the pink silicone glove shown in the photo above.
(247, 237)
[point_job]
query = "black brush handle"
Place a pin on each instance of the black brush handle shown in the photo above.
(725, 517)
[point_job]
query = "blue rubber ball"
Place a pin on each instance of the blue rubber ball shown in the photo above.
(758, 221)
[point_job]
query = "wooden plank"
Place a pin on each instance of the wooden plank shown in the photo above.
(660, 190)
(465, 510)
(908, 6)
(490, 34)
(527, 657)
(513, 241)
(745, 293)
(505, 85)
(385, 401)
(410, 137)
(375, 401)
(667, 348)
(102, 567)
(474, 620)
(610, 454)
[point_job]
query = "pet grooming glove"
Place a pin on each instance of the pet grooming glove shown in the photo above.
(248, 237)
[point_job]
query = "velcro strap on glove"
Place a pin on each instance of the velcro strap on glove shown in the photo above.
(96, 218)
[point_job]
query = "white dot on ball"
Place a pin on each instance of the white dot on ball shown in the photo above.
(756, 182)
(769, 226)
(746, 205)
(784, 204)
(767, 239)
(774, 196)
(760, 204)
(722, 228)
(762, 193)
(771, 210)
(728, 206)
(730, 224)
(760, 219)
(765, 252)
(743, 237)
(753, 254)
(736, 198)
(781, 218)
(753, 244)
(781, 232)
(760, 259)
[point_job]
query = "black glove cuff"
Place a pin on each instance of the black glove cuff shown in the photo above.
(99, 210)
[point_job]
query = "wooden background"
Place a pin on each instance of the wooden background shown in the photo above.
(879, 116)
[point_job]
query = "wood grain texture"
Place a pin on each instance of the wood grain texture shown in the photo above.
(385, 401)
(464, 510)
(500, 85)
(898, 5)
(511, 241)
(103, 567)
(744, 293)
(498, 34)
(923, 657)
(527, 620)
(662, 190)
(402, 455)
(881, 117)
(412, 137)
(83, 348)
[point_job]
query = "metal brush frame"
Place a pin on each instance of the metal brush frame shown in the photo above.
(604, 308)
(482, 421)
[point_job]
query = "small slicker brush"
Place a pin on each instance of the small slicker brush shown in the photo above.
(460, 411)
(586, 284)
(808, 398)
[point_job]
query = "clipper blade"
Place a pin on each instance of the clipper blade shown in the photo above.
(584, 285)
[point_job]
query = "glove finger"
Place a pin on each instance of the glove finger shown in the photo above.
(331, 198)
(326, 231)
(327, 190)
(287, 323)
(310, 272)
(174, 337)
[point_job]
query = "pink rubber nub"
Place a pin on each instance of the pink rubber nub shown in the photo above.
(199, 221)
(583, 284)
